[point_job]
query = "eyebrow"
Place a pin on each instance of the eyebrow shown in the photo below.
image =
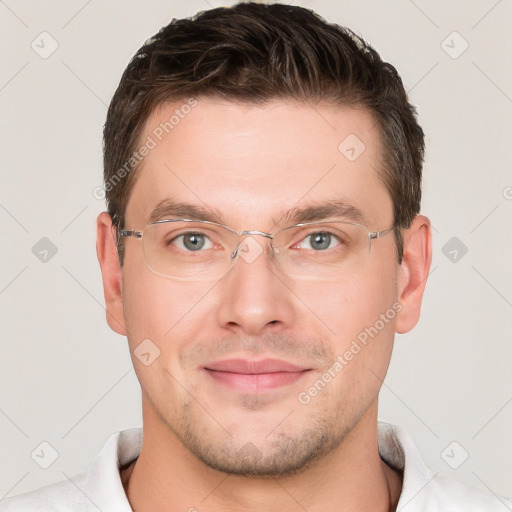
(335, 208)
(168, 208)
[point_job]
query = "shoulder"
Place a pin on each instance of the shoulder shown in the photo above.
(62, 496)
(99, 488)
(450, 495)
(426, 491)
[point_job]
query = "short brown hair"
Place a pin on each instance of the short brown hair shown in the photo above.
(254, 53)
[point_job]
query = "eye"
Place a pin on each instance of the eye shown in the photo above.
(319, 241)
(192, 241)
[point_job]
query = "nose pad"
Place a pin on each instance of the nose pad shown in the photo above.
(249, 249)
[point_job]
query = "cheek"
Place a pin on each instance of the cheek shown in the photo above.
(360, 318)
(163, 311)
(169, 315)
(345, 309)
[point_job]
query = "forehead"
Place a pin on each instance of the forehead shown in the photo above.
(251, 164)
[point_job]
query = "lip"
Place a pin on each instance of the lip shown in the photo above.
(255, 376)
(247, 367)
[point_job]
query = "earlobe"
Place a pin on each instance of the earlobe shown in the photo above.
(414, 272)
(111, 272)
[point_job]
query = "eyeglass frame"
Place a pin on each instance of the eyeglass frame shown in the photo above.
(125, 233)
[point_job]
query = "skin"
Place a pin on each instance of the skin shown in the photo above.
(213, 447)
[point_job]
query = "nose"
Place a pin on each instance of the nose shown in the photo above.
(255, 297)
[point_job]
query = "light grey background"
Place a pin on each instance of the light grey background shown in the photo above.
(68, 380)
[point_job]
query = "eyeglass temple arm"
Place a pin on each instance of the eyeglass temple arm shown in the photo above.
(378, 234)
(129, 232)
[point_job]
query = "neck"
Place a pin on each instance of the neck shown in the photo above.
(167, 477)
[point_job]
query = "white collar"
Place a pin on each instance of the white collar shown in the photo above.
(422, 490)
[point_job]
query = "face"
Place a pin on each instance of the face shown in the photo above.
(259, 372)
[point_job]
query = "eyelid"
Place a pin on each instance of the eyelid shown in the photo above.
(325, 222)
(181, 244)
(316, 227)
(303, 234)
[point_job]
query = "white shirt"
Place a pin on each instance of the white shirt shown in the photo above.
(100, 487)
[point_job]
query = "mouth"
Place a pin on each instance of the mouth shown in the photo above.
(255, 377)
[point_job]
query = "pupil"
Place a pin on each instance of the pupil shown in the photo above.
(193, 241)
(320, 240)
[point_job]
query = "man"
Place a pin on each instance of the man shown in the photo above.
(262, 245)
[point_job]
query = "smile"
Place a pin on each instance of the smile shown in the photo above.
(255, 376)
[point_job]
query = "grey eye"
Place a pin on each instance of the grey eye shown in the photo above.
(320, 241)
(191, 241)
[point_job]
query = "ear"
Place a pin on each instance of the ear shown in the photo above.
(111, 272)
(413, 272)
